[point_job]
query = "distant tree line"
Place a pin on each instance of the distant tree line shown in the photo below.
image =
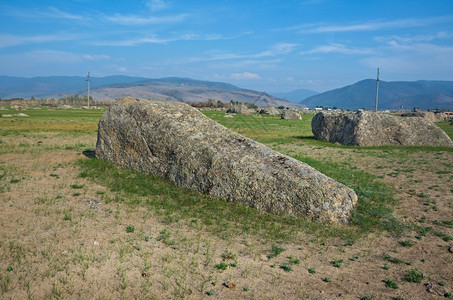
(77, 100)
(211, 103)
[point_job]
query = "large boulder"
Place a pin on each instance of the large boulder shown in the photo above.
(291, 115)
(375, 129)
(177, 142)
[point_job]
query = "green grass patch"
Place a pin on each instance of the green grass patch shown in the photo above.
(224, 218)
(376, 199)
(414, 275)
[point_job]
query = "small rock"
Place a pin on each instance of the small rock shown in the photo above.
(230, 284)
(6, 116)
(96, 243)
(435, 288)
(93, 203)
(21, 115)
(144, 274)
(450, 249)
(264, 258)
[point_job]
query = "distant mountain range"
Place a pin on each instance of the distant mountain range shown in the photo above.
(295, 96)
(115, 87)
(392, 95)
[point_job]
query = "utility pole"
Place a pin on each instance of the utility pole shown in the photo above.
(377, 88)
(88, 79)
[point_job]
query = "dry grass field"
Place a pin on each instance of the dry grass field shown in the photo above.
(74, 227)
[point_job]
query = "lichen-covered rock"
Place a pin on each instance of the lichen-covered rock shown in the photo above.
(376, 129)
(239, 109)
(269, 111)
(291, 115)
(429, 115)
(175, 141)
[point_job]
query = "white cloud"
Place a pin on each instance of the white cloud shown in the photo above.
(280, 48)
(8, 40)
(274, 51)
(245, 76)
(337, 48)
(135, 20)
(55, 57)
(154, 39)
(413, 59)
(156, 5)
(415, 38)
(56, 13)
(368, 25)
(95, 57)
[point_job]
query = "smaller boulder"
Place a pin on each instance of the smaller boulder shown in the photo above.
(366, 128)
(239, 109)
(291, 115)
(269, 111)
(429, 115)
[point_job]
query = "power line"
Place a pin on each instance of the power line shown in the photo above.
(377, 88)
(88, 79)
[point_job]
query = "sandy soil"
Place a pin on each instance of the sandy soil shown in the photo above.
(57, 241)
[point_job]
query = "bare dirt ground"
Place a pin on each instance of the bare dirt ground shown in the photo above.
(62, 236)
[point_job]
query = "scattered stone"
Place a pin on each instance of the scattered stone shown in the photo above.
(175, 141)
(376, 129)
(18, 106)
(230, 284)
(269, 111)
(3, 108)
(21, 115)
(435, 288)
(291, 115)
(450, 249)
(96, 243)
(264, 257)
(65, 106)
(93, 203)
(239, 109)
(228, 116)
(7, 116)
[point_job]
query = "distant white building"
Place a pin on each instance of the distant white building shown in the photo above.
(318, 108)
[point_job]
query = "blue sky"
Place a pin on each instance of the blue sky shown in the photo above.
(270, 46)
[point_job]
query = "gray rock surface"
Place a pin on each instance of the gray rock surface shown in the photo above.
(239, 109)
(376, 129)
(175, 141)
(429, 115)
(290, 114)
(269, 111)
